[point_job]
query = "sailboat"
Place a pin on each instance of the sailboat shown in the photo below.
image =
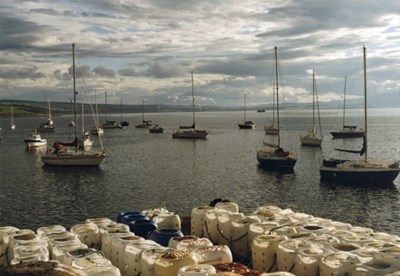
(156, 128)
(123, 122)
(84, 142)
(62, 155)
(365, 172)
(311, 138)
(12, 123)
(97, 129)
(109, 124)
(347, 131)
(144, 124)
(49, 125)
(190, 132)
(273, 157)
(272, 129)
(246, 124)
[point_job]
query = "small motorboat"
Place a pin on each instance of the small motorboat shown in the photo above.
(35, 140)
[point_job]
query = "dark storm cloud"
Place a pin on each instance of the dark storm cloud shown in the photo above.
(104, 72)
(18, 34)
(305, 17)
(127, 72)
(21, 73)
(162, 69)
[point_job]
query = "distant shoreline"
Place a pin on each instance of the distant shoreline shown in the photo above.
(40, 109)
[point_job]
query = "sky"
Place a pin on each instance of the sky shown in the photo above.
(145, 50)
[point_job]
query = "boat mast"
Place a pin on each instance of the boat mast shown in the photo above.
(74, 89)
(365, 105)
(313, 103)
(344, 102)
(194, 124)
(12, 115)
(244, 107)
(273, 102)
(158, 107)
(97, 111)
(121, 110)
(83, 115)
(319, 116)
(49, 110)
(142, 111)
(277, 95)
(106, 107)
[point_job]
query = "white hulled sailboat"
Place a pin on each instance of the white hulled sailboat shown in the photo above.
(62, 154)
(312, 138)
(49, 125)
(272, 128)
(12, 123)
(97, 129)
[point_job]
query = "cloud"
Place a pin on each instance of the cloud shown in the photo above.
(162, 69)
(21, 73)
(127, 72)
(135, 48)
(18, 34)
(104, 72)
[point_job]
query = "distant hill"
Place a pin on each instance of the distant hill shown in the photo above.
(34, 108)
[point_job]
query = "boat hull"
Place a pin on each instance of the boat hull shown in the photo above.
(246, 126)
(111, 126)
(347, 134)
(45, 129)
(97, 131)
(35, 143)
(271, 131)
(143, 126)
(73, 159)
(156, 129)
(312, 141)
(332, 171)
(190, 134)
(275, 162)
(35, 140)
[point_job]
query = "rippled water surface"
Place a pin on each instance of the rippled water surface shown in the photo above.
(145, 170)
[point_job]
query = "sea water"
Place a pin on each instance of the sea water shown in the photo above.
(145, 170)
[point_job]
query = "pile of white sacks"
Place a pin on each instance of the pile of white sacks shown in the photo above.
(272, 240)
